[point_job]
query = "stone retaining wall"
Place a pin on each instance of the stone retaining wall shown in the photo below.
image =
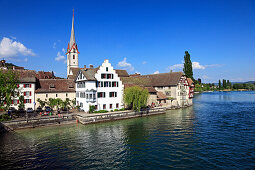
(36, 122)
(117, 116)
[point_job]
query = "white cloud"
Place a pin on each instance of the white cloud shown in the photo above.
(124, 64)
(156, 72)
(137, 72)
(144, 62)
(59, 57)
(176, 67)
(26, 59)
(63, 50)
(10, 48)
(196, 65)
(13, 37)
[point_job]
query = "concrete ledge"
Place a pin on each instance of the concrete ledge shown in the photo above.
(88, 119)
(37, 122)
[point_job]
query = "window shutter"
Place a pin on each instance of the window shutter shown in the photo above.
(17, 101)
(12, 101)
(18, 85)
(24, 101)
(30, 93)
(24, 85)
(29, 100)
(30, 85)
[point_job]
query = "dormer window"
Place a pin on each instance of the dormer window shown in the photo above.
(52, 86)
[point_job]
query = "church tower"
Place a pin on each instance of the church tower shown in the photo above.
(72, 52)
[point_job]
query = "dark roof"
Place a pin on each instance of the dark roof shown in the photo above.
(190, 82)
(26, 76)
(44, 75)
(55, 85)
(122, 73)
(162, 79)
(161, 95)
(75, 71)
(89, 73)
(151, 90)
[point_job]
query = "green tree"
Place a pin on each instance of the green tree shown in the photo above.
(8, 88)
(136, 97)
(52, 102)
(224, 84)
(187, 69)
(21, 102)
(58, 102)
(41, 103)
(219, 85)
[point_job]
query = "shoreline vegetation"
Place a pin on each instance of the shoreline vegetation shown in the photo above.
(225, 86)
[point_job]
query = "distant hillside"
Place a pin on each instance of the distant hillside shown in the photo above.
(10, 65)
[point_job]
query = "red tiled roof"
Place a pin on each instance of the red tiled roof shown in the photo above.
(160, 95)
(55, 85)
(190, 82)
(122, 73)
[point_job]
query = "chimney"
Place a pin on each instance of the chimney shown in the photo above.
(90, 66)
(171, 71)
(84, 66)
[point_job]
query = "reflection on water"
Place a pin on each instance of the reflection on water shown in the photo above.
(217, 132)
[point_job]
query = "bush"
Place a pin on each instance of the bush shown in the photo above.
(115, 110)
(122, 109)
(92, 108)
(4, 117)
(100, 111)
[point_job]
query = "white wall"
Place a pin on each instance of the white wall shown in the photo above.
(91, 86)
(21, 90)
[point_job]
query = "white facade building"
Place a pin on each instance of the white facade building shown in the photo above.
(100, 87)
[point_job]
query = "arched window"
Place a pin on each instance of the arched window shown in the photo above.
(73, 56)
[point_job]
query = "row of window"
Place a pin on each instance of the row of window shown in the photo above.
(80, 84)
(107, 84)
(93, 96)
(56, 95)
(107, 76)
(86, 95)
(25, 85)
(15, 101)
(104, 106)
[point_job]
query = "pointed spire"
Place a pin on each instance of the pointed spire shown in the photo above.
(72, 38)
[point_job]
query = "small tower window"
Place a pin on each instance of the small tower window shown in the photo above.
(73, 56)
(106, 68)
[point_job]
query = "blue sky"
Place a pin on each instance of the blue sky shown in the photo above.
(140, 36)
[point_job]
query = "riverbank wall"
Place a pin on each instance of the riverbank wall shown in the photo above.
(38, 122)
(97, 118)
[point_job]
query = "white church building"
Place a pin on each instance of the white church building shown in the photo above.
(100, 87)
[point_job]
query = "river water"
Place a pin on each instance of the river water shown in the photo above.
(218, 132)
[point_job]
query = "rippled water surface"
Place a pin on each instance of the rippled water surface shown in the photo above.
(217, 132)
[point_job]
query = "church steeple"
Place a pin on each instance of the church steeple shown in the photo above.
(72, 52)
(72, 38)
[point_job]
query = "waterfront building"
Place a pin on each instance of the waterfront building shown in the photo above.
(191, 89)
(172, 88)
(54, 88)
(26, 86)
(100, 87)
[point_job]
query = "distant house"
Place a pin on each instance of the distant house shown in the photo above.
(191, 88)
(100, 87)
(172, 88)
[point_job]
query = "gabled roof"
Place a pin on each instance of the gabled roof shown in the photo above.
(26, 76)
(122, 73)
(161, 95)
(55, 85)
(190, 82)
(162, 79)
(89, 73)
(74, 71)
